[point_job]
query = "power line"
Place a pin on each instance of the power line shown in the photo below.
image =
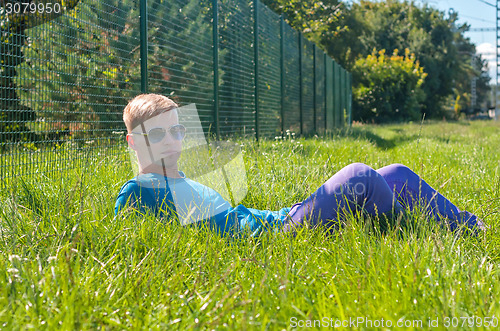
(476, 18)
(489, 4)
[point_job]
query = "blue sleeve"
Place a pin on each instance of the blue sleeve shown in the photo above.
(132, 195)
(263, 220)
(254, 220)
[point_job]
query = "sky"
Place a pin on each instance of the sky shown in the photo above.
(477, 14)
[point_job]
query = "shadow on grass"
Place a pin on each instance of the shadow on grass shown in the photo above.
(381, 142)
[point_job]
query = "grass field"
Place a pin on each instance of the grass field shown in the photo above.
(65, 263)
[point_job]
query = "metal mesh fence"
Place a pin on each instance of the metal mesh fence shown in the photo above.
(342, 95)
(332, 94)
(180, 56)
(292, 95)
(336, 94)
(269, 73)
(307, 74)
(66, 77)
(236, 65)
(320, 95)
(64, 84)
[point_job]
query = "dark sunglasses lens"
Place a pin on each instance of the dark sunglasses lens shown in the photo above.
(156, 135)
(178, 132)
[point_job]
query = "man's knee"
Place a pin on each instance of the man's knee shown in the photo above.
(402, 171)
(358, 170)
(359, 177)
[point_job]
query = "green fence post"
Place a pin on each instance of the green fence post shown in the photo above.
(282, 82)
(349, 98)
(334, 89)
(215, 28)
(330, 84)
(346, 93)
(256, 63)
(143, 12)
(325, 88)
(342, 96)
(336, 94)
(314, 89)
(345, 98)
(300, 86)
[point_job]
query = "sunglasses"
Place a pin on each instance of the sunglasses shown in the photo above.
(155, 135)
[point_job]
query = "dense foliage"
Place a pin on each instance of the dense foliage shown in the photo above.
(388, 87)
(435, 37)
(318, 20)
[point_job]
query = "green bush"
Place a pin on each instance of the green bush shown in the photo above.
(387, 88)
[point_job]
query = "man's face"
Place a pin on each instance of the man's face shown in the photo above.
(159, 146)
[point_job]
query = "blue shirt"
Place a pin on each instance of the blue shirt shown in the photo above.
(192, 202)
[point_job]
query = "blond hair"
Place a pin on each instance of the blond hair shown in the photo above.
(145, 106)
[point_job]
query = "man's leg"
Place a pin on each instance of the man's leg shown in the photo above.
(410, 189)
(356, 185)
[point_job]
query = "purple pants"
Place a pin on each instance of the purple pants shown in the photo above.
(381, 191)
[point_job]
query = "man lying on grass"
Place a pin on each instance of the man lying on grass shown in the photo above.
(156, 136)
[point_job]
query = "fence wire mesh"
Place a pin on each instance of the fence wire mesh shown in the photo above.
(292, 100)
(66, 76)
(320, 85)
(64, 83)
(236, 64)
(269, 73)
(180, 58)
(307, 87)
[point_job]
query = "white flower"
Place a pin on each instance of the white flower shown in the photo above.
(14, 257)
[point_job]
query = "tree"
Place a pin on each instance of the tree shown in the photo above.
(437, 41)
(317, 20)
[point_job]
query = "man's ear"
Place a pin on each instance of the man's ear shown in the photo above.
(130, 141)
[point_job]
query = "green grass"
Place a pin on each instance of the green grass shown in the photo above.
(65, 263)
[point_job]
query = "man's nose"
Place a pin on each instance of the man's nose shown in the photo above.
(168, 139)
